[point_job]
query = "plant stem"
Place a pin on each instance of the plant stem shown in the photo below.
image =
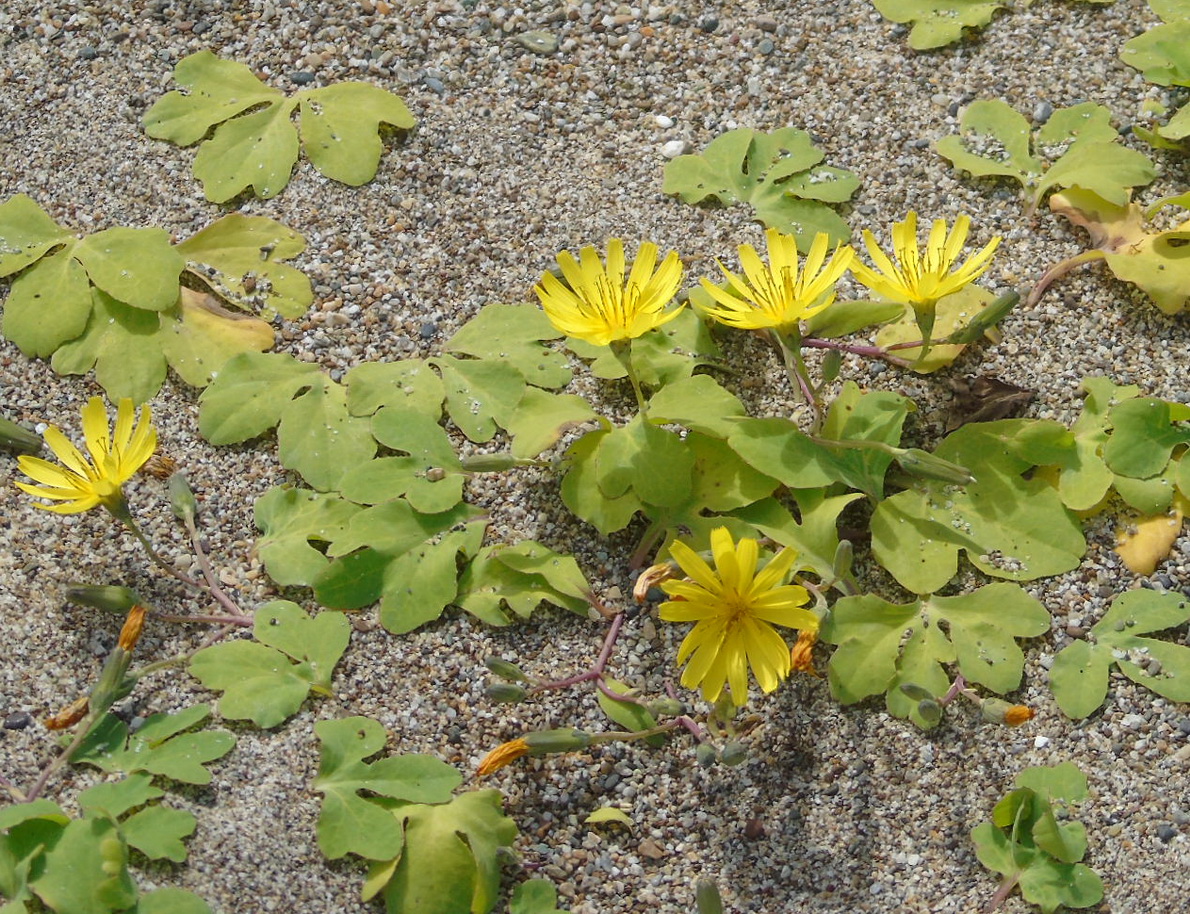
(790, 345)
(63, 757)
(1058, 270)
(208, 573)
(622, 350)
(871, 352)
(595, 671)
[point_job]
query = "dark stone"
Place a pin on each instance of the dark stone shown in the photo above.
(709, 24)
(427, 331)
(18, 720)
(303, 77)
(88, 53)
(1167, 833)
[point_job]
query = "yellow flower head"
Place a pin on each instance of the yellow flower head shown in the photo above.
(734, 609)
(778, 295)
(82, 484)
(599, 306)
(921, 279)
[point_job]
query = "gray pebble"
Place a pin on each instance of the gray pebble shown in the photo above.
(538, 42)
(427, 330)
(303, 77)
(18, 720)
(1166, 833)
(1042, 112)
(88, 53)
(766, 46)
(434, 85)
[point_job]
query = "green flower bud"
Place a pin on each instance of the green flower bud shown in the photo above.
(925, 465)
(505, 670)
(18, 439)
(545, 742)
(107, 597)
(844, 557)
(831, 363)
(734, 754)
(666, 707)
(505, 693)
(706, 754)
(181, 498)
(930, 711)
(986, 319)
(706, 896)
(489, 463)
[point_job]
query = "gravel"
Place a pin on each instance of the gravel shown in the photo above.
(542, 127)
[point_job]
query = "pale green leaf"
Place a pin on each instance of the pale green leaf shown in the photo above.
(938, 22)
(646, 459)
(513, 334)
(292, 519)
(340, 124)
(48, 304)
(348, 822)
(1162, 53)
(115, 798)
(541, 418)
(257, 150)
(157, 832)
(86, 871)
(408, 382)
(137, 267)
(777, 173)
(534, 897)
(609, 814)
(699, 403)
(27, 233)
(480, 394)
(582, 493)
(250, 395)
(627, 714)
(170, 901)
(319, 439)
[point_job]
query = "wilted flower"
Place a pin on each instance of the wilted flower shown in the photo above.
(801, 658)
(779, 295)
(998, 711)
(115, 456)
(734, 609)
(920, 279)
(597, 305)
(504, 754)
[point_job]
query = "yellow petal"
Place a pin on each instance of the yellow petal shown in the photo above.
(695, 568)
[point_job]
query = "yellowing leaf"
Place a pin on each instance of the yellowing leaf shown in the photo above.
(609, 814)
(1149, 540)
(205, 335)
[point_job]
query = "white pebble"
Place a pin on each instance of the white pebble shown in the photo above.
(664, 122)
(675, 148)
(1040, 742)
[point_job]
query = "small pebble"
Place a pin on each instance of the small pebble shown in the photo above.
(675, 148)
(1166, 833)
(538, 42)
(18, 720)
(303, 77)
(663, 122)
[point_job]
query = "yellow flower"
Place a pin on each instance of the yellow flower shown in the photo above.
(734, 609)
(921, 279)
(595, 303)
(778, 295)
(82, 484)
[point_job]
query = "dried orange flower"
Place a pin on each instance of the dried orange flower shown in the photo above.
(70, 715)
(133, 626)
(802, 656)
(504, 754)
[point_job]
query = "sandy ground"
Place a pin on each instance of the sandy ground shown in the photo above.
(516, 156)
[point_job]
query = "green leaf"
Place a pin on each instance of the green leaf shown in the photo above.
(512, 334)
(239, 256)
(541, 418)
(267, 682)
(157, 832)
(651, 462)
(583, 495)
(394, 528)
(1144, 436)
(430, 478)
(1009, 526)
(1079, 676)
(1084, 477)
(137, 267)
(846, 317)
(630, 716)
(86, 871)
(815, 537)
(291, 519)
(480, 394)
(259, 149)
(159, 747)
(319, 439)
(534, 897)
(699, 403)
(951, 314)
(348, 822)
(520, 577)
(26, 830)
(119, 344)
(48, 304)
(882, 645)
(115, 798)
(202, 336)
(1076, 147)
(419, 585)
(938, 22)
(250, 395)
(219, 89)
(339, 128)
(170, 901)
(662, 356)
(1162, 53)
(450, 863)
(776, 446)
(1063, 781)
(27, 233)
(777, 173)
(408, 382)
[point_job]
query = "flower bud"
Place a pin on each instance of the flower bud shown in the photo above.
(505, 693)
(706, 754)
(545, 742)
(666, 707)
(707, 898)
(505, 670)
(18, 439)
(68, 716)
(998, 711)
(489, 463)
(831, 363)
(181, 498)
(930, 712)
(733, 754)
(133, 626)
(925, 465)
(986, 319)
(844, 558)
(107, 597)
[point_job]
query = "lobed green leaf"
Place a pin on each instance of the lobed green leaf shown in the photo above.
(938, 22)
